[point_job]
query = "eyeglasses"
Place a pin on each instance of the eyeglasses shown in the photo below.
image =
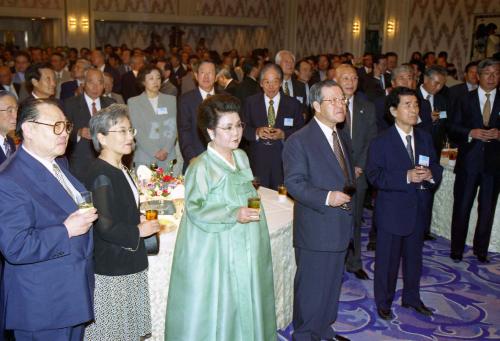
(10, 110)
(338, 101)
(58, 127)
(272, 82)
(123, 132)
(238, 126)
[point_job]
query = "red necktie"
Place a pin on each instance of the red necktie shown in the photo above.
(94, 109)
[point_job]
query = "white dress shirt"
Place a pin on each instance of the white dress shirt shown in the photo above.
(425, 94)
(2, 141)
(89, 102)
(276, 103)
(482, 98)
(204, 93)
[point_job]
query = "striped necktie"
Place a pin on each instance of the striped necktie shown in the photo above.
(60, 177)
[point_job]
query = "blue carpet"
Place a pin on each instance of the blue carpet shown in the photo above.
(465, 298)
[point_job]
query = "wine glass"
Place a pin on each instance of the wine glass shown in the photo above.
(268, 142)
(349, 189)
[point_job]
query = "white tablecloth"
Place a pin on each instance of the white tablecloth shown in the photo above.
(443, 210)
(279, 220)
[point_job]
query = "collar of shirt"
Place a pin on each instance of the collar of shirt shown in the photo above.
(482, 97)
(276, 103)
(204, 93)
(59, 74)
(35, 96)
(425, 94)
(470, 86)
(2, 140)
(102, 67)
(290, 86)
(45, 163)
(216, 153)
(89, 102)
(327, 131)
(403, 135)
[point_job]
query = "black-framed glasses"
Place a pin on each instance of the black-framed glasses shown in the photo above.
(58, 127)
(238, 126)
(123, 132)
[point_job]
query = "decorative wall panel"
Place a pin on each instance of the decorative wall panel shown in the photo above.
(446, 25)
(137, 6)
(235, 8)
(320, 26)
(45, 4)
(220, 38)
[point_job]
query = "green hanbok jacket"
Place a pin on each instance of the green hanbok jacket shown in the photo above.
(221, 285)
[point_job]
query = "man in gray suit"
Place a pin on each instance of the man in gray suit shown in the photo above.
(361, 126)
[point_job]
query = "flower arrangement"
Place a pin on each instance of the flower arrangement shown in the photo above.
(158, 183)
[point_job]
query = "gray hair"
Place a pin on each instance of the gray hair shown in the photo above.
(402, 69)
(435, 69)
(315, 93)
(91, 69)
(269, 66)
(5, 93)
(483, 64)
(101, 122)
(224, 72)
(87, 64)
(280, 54)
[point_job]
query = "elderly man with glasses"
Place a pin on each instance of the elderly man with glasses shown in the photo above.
(45, 239)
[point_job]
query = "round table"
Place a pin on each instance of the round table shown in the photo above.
(279, 221)
(442, 211)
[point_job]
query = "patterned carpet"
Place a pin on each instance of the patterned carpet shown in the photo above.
(465, 298)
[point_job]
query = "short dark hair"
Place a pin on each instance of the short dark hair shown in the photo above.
(471, 64)
(211, 110)
(443, 54)
(297, 65)
(249, 64)
(33, 72)
(28, 111)
(393, 99)
(23, 54)
(427, 54)
(378, 57)
(146, 70)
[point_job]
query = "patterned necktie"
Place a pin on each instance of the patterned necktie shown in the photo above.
(487, 111)
(348, 118)
(6, 147)
(59, 176)
(428, 99)
(409, 149)
(94, 109)
(271, 116)
(286, 89)
(337, 150)
(208, 96)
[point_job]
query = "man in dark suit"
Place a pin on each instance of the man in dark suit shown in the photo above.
(290, 86)
(191, 140)
(457, 92)
(317, 165)
(130, 87)
(321, 73)
(225, 81)
(8, 113)
(366, 70)
(45, 239)
(249, 85)
(361, 126)
(79, 109)
(75, 86)
(403, 201)
(475, 127)
(97, 59)
(6, 82)
(178, 71)
(376, 85)
(270, 119)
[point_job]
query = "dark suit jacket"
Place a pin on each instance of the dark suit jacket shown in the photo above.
(12, 148)
(48, 277)
(372, 88)
(311, 171)
(115, 231)
(247, 88)
(80, 153)
(191, 140)
(117, 86)
(16, 86)
(438, 128)
(130, 88)
(231, 87)
(176, 76)
(475, 156)
(68, 89)
(455, 94)
(364, 129)
(386, 169)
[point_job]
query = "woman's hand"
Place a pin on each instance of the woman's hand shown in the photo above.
(161, 155)
(148, 227)
(246, 215)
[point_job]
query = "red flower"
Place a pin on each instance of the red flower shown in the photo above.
(167, 178)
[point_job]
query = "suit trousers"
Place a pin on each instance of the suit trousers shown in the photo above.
(464, 193)
(353, 261)
(63, 334)
(391, 248)
(317, 285)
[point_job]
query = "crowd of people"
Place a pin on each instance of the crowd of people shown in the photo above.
(340, 132)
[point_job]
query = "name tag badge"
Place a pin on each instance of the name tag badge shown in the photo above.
(423, 160)
(288, 122)
(162, 111)
(442, 115)
(300, 99)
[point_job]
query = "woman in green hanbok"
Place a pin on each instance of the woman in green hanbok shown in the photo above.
(221, 286)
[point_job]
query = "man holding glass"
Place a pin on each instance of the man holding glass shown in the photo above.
(317, 167)
(270, 118)
(45, 239)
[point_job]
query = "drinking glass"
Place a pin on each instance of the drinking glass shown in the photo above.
(349, 189)
(85, 202)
